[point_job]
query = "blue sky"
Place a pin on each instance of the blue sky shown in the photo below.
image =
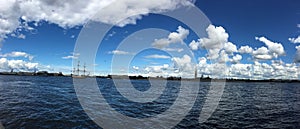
(49, 38)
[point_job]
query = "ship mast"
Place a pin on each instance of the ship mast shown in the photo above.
(84, 69)
(73, 71)
(78, 65)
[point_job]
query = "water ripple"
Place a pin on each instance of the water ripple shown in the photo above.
(51, 102)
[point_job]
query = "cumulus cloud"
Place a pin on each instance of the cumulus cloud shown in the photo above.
(295, 40)
(275, 70)
(202, 65)
(178, 36)
(245, 49)
(262, 53)
(161, 43)
(216, 44)
(119, 52)
(19, 65)
(184, 64)
(236, 59)
(223, 51)
(70, 13)
(220, 48)
(157, 69)
(202, 61)
(217, 37)
(240, 71)
(230, 48)
(156, 56)
(215, 70)
(274, 49)
(262, 70)
(174, 37)
(194, 45)
(223, 57)
(18, 54)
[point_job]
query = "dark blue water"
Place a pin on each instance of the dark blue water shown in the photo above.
(51, 102)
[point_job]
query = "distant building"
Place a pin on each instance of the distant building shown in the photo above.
(42, 73)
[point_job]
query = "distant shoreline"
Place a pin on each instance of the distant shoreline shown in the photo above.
(207, 79)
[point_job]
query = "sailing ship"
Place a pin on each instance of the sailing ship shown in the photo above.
(76, 72)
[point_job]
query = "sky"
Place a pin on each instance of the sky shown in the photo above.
(241, 39)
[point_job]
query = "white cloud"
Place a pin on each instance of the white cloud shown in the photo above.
(3, 63)
(217, 45)
(297, 56)
(20, 36)
(72, 56)
(277, 65)
(156, 56)
(223, 57)
(275, 70)
(298, 25)
(202, 61)
(69, 57)
(135, 67)
(70, 13)
(230, 48)
(18, 65)
(295, 40)
(18, 54)
(118, 52)
(236, 59)
(203, 66)
(262, 70)
(173, 49)
(124, 8)
(178, 36)
(215, 70)
(161, 43)
(275, 49)
(245, 49)
(240, 71)
(222, 51)
(194, 45)
(157, 70)
(184, 64)
(262, 53)
(174, 37)
(217, 37)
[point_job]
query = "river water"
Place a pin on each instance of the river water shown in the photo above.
(51, 102)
